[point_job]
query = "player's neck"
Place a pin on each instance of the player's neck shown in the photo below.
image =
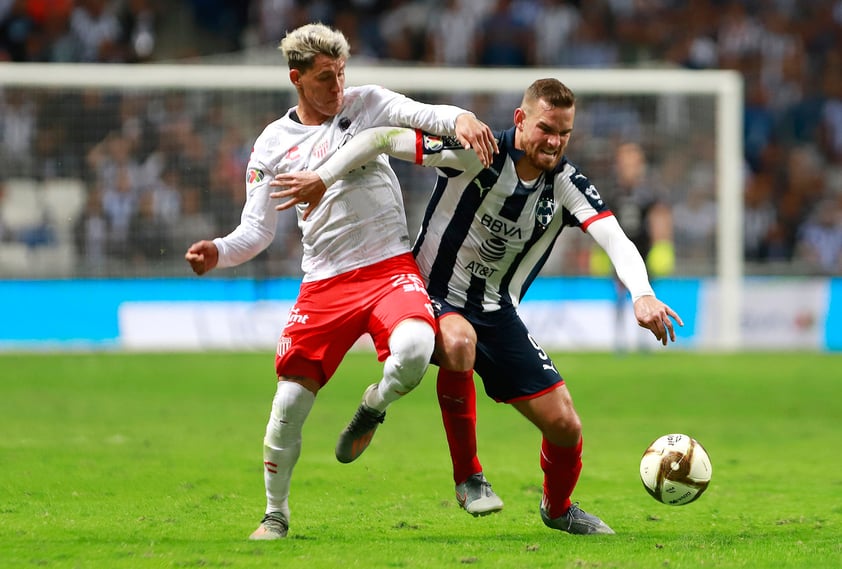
(529, 183)
(309, 116)
(526, 171)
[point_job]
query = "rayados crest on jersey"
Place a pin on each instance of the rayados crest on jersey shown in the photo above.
(544, 211)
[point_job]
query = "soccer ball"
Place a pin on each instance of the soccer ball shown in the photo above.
(675, 469)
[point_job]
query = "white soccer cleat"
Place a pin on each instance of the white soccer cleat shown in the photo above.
(476, 496)
(273, 526)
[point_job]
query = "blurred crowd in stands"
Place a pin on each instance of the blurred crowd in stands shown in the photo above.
(145, 162)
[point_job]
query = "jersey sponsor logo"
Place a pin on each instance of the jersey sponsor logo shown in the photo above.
(499, 227)
(292, 153)
(295, 317)
(581, 181)
(593, 194)
(480, 270)
(253, 176)
(492, 249)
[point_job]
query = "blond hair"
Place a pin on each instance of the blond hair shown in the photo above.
(301, 46)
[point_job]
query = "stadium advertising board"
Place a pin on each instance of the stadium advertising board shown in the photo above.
(246, 314)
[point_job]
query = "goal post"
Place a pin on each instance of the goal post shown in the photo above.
(724, 121)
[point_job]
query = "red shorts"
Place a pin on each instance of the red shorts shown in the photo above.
(330, 315)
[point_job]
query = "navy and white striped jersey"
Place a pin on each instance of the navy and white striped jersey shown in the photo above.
(486, 234)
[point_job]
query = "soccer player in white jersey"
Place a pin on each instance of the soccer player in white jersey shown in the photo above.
(485, 235)
(359, 273)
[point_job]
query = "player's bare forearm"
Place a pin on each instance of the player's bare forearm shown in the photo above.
(657, 317)
(299, 187)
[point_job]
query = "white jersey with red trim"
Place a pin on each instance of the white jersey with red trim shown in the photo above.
(360, 220)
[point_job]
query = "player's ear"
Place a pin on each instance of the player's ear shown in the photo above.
(519, 116)
(295, 77)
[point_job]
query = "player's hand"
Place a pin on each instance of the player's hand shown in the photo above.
(657, 317)
(300, 187)
(473, 133)
(202, 256)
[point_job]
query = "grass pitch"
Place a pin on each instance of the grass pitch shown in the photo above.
(154, 460)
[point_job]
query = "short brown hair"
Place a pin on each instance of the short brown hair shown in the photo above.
(550, 90)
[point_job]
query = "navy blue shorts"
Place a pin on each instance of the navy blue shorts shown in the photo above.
(510, 362)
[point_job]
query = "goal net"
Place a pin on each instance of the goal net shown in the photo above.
(113, 170)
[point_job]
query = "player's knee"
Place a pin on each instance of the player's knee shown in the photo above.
(411, 345)
(564, 430)
(290, 407)
(456, 346)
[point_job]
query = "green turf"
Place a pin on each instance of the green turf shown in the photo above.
(154, 460)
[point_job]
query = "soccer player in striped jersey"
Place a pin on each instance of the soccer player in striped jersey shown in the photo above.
(486, 234)
(359, 273)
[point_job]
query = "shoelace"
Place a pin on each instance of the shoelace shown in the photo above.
(274, 522)
(484, 485)
(364, 419)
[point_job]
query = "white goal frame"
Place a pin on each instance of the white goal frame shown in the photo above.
(725, 86)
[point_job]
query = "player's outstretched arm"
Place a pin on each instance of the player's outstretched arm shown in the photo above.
(309, 187)
(650, 312)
